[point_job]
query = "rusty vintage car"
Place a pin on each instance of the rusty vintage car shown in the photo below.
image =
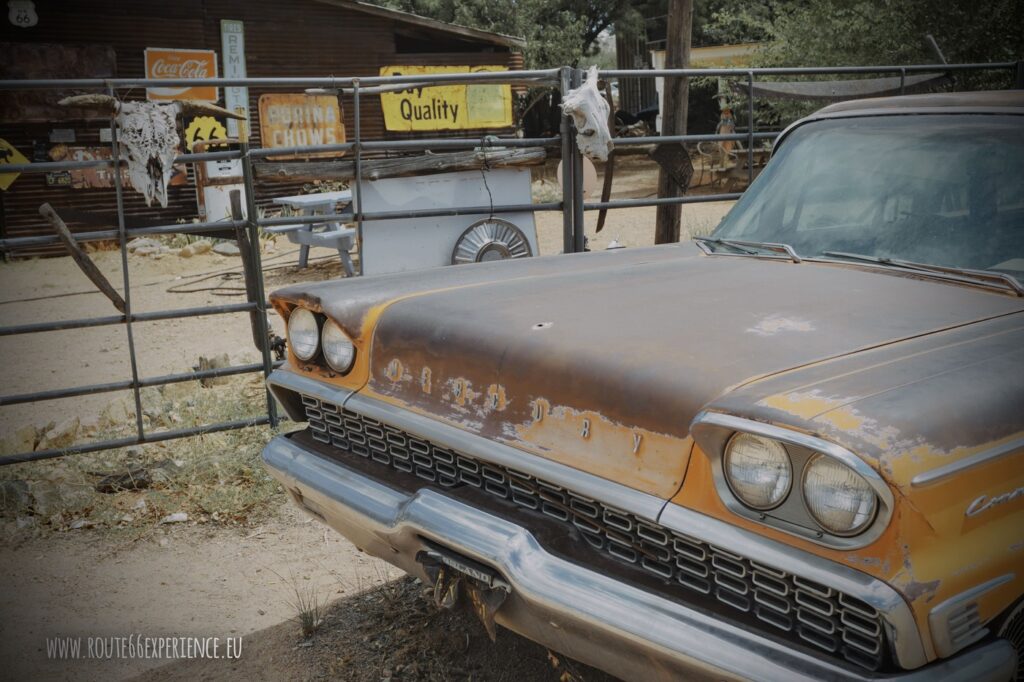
(790, 450)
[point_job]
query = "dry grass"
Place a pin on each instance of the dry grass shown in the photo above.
(215, 478)
(309, 606)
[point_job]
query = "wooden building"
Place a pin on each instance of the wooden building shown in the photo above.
(110, 38)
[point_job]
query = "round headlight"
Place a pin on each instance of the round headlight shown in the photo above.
(338, 348)
(303, 334)
(837, 497)
(758, 470)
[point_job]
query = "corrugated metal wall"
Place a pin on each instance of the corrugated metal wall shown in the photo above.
(635, 94)
(303, 38)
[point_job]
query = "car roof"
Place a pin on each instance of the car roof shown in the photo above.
(963, 101)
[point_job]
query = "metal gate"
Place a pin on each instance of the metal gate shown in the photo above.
(571, 205)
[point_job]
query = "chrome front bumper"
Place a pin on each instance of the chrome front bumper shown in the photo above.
(580, 613)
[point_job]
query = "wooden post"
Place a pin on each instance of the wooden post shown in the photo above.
(81, 258)
(673, 114)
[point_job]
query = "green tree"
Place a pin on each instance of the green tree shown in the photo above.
(874, 32)
(557, 32)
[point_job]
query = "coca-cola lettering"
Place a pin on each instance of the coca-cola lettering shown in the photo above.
(190, 68)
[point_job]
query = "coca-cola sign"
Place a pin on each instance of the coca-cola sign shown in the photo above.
(174, 64)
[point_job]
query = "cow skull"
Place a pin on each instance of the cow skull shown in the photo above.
(148, 133)
(589, 111)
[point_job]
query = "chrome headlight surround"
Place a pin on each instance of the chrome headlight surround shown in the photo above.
(713, 430)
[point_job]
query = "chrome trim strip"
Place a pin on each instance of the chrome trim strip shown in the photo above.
(284, 383)
(902, 629)
(596, 618)
(979, 458)
(938, 619)
(711, 431)
(627, 499)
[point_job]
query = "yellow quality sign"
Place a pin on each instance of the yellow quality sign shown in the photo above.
(8, 154)
(446, 107)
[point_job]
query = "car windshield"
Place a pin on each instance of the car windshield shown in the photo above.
(944, 190)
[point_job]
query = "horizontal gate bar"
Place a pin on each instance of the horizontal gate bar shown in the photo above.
(667, 139)
(541, 75)
(661, 201)
(55, 394)
(125, 442)
(121, 319)
(801, 70)
(101, 235)
(54, 166)
(330, 82)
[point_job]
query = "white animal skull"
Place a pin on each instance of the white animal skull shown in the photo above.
(148, 133)
(589, 110)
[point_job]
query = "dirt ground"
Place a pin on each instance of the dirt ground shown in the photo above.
(211, 580)
(178, 580)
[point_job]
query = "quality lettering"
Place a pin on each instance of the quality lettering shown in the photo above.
(436, 109)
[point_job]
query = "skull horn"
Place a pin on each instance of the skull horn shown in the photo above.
(196, 108)
(97, 102)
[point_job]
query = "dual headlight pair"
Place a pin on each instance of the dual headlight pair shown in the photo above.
(760, 474)
(309, 335)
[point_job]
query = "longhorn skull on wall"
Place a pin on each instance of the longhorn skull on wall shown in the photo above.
(148, 133)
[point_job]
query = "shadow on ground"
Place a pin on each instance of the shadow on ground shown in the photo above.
(389, 632)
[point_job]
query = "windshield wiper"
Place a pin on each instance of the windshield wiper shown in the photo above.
(745, 246)
(963, 274)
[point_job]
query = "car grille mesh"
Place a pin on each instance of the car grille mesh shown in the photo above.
(820, 616)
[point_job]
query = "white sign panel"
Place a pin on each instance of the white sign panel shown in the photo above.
(232, 36)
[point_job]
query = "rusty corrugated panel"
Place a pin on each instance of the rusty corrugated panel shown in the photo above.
(635, 94)
(306, 38)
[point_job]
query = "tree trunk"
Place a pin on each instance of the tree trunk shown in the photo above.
(673, 114)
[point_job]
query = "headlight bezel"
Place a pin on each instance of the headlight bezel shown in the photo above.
(713, 430)
(299, 310)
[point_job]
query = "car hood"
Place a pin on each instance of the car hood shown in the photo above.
(601, 361)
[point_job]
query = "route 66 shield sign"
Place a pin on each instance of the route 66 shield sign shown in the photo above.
(22, 13)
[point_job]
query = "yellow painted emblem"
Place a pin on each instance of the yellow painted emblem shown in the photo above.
(204, 128)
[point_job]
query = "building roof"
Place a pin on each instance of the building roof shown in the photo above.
(415, 19)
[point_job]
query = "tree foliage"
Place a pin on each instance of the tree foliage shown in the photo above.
(874, 32)
(557, 32)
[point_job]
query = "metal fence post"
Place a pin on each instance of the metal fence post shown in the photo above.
(262, 327)
(578, 234)
(115, 153)
(357, 197)
(566, 132)
(750, 128)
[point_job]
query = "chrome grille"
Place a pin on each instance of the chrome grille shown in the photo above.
(820, 616)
